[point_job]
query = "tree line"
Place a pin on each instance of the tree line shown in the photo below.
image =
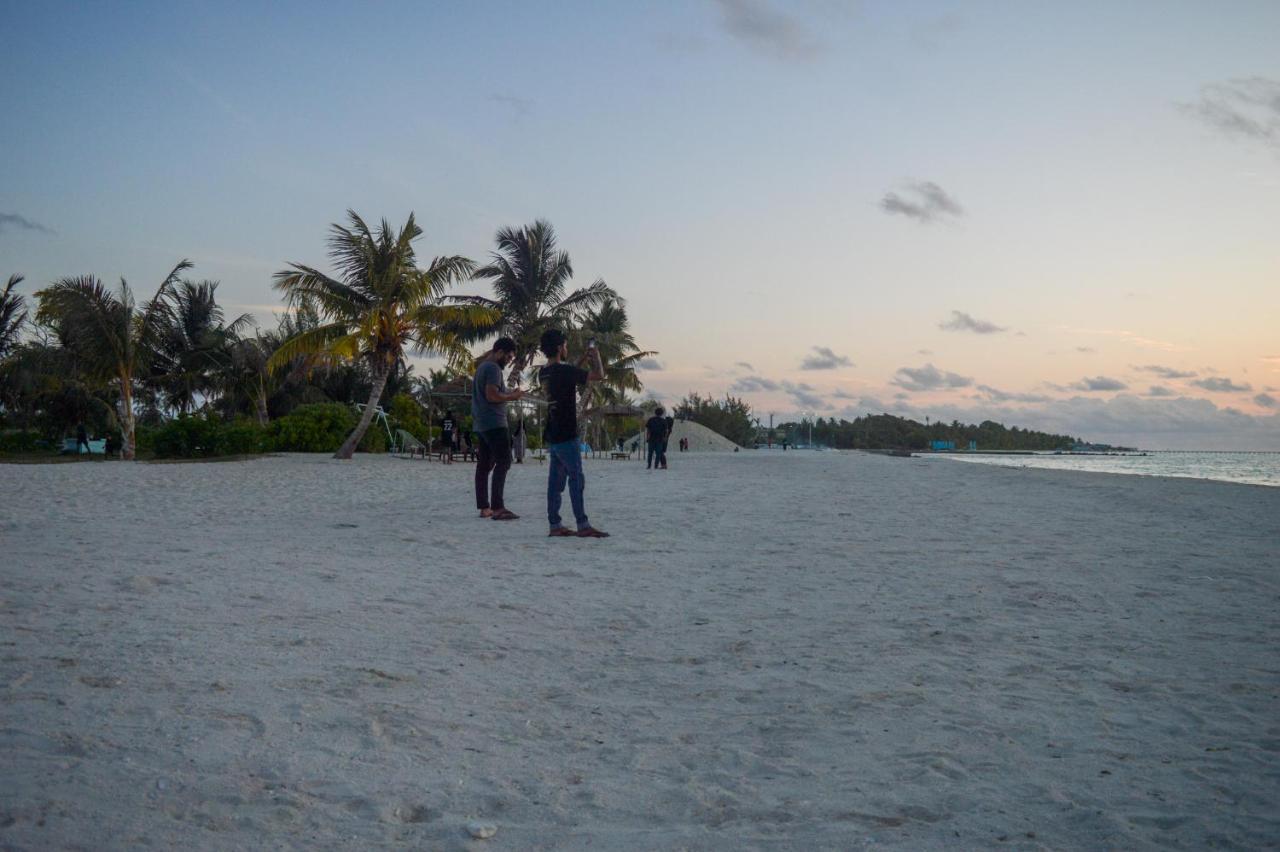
(885, 431)
(80, 352)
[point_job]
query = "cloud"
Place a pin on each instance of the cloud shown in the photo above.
(12, 221)
(996, 395)
(1265, 400)
(1130, 337)
(754, 384)
(744, 365)
(1099, 383)
(1242, 108)
(758, 25)
(651, 364)
(1088, 350)
(926, 202)
(840, 393)
(1222, 385)
(928, 378)
(1160, 390)
(522, 106)
(928, 353)
(960, 321)
(804, 395)
(824, 359)
(1167, 372)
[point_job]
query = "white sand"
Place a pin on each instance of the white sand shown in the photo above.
(809, 651)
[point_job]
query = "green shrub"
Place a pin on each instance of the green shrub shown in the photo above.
(321, 428)
(204, 437)
(21, 441)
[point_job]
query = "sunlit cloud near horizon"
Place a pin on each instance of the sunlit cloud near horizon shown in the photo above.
(1061, 218)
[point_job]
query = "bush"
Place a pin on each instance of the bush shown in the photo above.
(21, 441)
(204, 437)
(321, 428)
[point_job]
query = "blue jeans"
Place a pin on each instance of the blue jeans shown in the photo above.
(566, 466)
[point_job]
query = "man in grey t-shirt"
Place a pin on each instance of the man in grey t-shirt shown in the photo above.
(489, 398)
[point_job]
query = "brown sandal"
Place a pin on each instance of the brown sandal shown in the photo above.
(560, 532)
(505, 515)
(592, 532)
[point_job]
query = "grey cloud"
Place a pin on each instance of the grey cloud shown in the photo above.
(824, 359)
(760, 26)
(1222, 385)
(754, 384)
(1099, 383)
(1160, 390)
(926, 202)
(1086, 349)
(22, 223)
(1245, 107)
(651, 364)
(804, 395)
(928, 378)
(842, 394)
(1166, 372)
(960, 321)
(996, 395)
(1266, 400)
(925, 352)
(744, 365)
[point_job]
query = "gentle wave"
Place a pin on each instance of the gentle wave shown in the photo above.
(1245, 468)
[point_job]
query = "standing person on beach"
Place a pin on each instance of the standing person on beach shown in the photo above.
(560, 382)
(671, 427)
(489, 398)
(448, 430)
(655, 433)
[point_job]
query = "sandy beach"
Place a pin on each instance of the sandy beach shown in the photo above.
(799, 651)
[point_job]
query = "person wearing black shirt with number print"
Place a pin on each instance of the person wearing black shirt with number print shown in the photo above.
(560, 382)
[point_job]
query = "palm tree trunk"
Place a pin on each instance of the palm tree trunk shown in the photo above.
(348, 448)
(261, 404)
(128, 449)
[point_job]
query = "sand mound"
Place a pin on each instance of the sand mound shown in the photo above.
(701, 439)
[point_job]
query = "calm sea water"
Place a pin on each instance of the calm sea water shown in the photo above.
(1251, 468)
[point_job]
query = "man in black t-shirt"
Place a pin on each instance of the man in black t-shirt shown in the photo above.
(560, 382)
(655, 429)
(448, 428)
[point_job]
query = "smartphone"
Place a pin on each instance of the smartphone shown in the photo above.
(591, 344)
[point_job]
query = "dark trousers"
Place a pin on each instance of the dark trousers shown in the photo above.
(494, 455)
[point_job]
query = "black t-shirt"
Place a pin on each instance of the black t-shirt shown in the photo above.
(447, 426)
(561, 382)
(656, 427)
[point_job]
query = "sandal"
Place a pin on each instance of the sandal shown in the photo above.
(486, 513)
(504, 515)
(559, 532)
(592, 532)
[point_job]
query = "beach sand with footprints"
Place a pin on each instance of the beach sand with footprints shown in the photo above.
(809, 650)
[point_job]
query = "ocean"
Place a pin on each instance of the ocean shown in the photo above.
(1261, 468)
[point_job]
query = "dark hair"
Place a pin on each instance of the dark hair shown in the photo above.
(504, 344)
(551, 340)
(658, 412)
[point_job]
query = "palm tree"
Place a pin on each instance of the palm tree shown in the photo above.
(112, 337)
(379, 305)
(193, 344)
(13, 315)
(609, 326)
(530, 278)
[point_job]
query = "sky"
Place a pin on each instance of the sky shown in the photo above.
(1063, 216)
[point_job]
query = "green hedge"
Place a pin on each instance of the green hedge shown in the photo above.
(21, 441)
(321, 428)
(204, 437)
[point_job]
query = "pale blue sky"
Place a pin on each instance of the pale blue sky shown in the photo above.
(723, 164)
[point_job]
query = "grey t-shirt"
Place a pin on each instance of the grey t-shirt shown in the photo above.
(486, 415)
